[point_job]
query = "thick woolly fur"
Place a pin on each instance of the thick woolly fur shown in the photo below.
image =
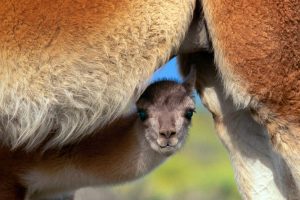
(257, 52)
(68, 67)
(261, 173)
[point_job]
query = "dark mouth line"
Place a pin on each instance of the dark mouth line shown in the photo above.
(167, 146)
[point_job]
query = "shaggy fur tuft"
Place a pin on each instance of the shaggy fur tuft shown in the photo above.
(69, 67)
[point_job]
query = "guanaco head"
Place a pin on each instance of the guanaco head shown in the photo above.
(165, 110)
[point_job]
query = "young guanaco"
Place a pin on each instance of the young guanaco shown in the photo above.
(126, 149)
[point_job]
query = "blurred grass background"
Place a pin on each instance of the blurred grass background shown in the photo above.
(200, 171)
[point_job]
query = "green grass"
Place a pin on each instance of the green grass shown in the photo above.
(201, 170)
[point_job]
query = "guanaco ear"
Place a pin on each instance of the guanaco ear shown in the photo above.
(190, 80)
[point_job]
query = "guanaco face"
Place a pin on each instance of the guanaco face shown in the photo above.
(165, 110)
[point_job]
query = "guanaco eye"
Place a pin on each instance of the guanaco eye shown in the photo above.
(189, 114)
(142, 114)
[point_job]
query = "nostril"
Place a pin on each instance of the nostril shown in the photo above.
(163, 134)
(167, 134)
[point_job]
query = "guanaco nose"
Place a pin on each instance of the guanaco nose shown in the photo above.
(167, 134)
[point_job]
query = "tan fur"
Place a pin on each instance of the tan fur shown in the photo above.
(70, 67)
(63, 63)
(124, 150)
(261, 173)
(256, 47)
